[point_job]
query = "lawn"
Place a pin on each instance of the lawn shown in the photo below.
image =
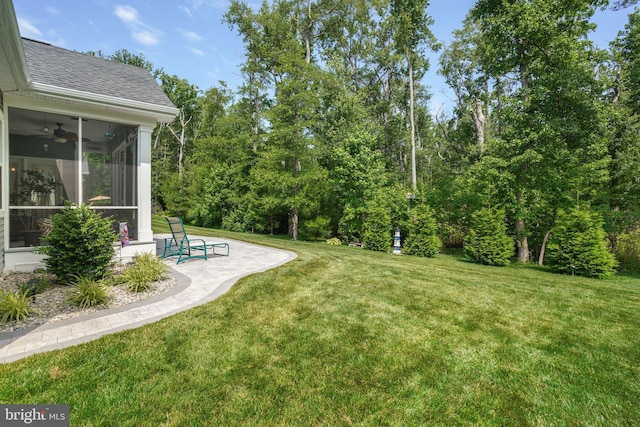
(345, 336)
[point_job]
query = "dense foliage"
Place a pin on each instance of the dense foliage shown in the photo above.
(377, 228)
(487, 241)
(578, 246)
(628, 250)
(422, 239)
(80, 244)
(334, 109)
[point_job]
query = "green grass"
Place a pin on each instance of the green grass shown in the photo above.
(344, 336)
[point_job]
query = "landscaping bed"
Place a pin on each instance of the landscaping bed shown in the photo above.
(52, 305)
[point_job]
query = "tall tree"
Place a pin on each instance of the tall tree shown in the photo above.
(554, 141)
(460, 66)
(277, 49)
(185, 96)
(624, 123)
(410, 23)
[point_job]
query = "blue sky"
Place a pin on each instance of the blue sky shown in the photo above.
(187, 37)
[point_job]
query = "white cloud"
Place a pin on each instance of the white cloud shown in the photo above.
(140, 32)
(52, 10)
(145, 37)
(28, 28)
(196, 51)
(191, 36)
(186, 10)
(127, 14)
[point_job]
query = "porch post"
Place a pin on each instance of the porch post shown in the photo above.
(145, 234)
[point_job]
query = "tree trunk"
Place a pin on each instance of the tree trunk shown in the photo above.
(256, 111)
(181, 139)
(307, 35)
(543, 248)
(523, 243)
(617, 85)
(478, 122)
(294, 224)
(414, 178)
(521, 239)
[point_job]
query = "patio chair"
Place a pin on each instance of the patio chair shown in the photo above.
(186, 248)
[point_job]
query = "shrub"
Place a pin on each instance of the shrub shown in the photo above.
(377, 228)
(88, 292)
(147, 269)
(422, 239)
(80, 243)
(317, 228)
(578, 245)
(14, 306)
(487, 241)
(628, 250)
(334, 241)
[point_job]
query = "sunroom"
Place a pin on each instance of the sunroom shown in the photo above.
(73, 128)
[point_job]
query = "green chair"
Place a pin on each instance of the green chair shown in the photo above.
(186, 248)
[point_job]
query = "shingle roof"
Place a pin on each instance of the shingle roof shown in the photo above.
(63, 68)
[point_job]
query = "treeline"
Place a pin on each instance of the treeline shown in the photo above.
(332, 122)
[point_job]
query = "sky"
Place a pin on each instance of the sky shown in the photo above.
(188, 38)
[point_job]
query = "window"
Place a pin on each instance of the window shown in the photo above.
(55, 158)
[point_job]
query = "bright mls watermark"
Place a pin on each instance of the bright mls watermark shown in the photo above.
(34, 415)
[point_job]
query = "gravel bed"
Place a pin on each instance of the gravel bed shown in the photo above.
(51, 305)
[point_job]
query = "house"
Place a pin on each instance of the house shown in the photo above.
(72, 127)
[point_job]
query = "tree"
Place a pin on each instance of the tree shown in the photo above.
(126, 57)
(410, 23)
(357, 173)
(487, 241)
(460, 66)
(422, 239)
(553, 139)
(377, 227)
(578, 246)
(621, 202)
(185, 96)
(80, 244)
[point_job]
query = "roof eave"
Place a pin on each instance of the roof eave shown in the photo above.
(161, 113)
(14, 48)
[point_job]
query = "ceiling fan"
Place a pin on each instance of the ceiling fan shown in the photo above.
(63, 136)
(60, 135)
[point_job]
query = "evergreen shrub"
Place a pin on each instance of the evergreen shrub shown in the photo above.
(80, 244)
(318, 228)
(422, 239)
(377, 228)
(578, 245)
(487, 241)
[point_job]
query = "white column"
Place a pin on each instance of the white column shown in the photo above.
(145, 234)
